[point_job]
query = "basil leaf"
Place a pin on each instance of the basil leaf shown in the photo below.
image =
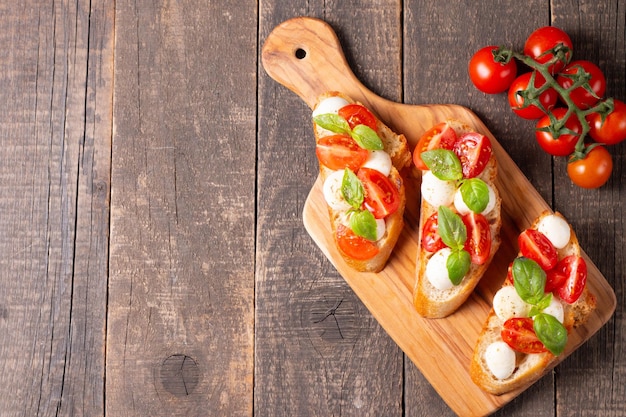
(352, 189)
(475, 194)
(458, 264)
(451, 228)
(366, 138)
(529, 280)
(541, 305)
(332, 122)
(551, 332)
(363, 223)
(444, 164)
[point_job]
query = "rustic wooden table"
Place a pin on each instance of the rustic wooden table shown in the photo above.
(154, 260)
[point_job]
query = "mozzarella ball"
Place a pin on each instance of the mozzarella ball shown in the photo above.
(437, 192)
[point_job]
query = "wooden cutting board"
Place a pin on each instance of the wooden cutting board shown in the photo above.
(304, 55)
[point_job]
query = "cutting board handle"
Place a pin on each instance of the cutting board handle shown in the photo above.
(304, 55)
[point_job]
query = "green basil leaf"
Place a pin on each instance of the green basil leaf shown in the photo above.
(475, 194)
(332, 122)
(443, 163)
(458, 264)
(451, 228)
(551, 332)
(363, 223)
(541, 305)
(366, 138)
(352, 189)
(529, 280)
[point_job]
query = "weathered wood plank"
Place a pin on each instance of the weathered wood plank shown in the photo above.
(181, 317)
(55, 129)
(318, 349)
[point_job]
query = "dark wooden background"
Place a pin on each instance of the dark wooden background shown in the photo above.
(152, 177)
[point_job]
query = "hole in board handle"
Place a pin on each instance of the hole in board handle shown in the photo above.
(300, 53)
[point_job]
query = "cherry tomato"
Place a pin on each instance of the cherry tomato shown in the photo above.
(518, 332)
(535, 245)
(613, 129)
(573, 272)
(381, 195)
(441, 135)
(354, 246)
(478, 242)
(355, 115)
(582, 98)
(540, 43)
(339, 152)
(593, 171)
(563, 144)
(474, 151)
(547, 99)
(489, 76)
(431, 241)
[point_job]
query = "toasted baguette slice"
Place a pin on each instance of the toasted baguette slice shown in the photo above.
(428, 300)
(528, 367)
(396, 146)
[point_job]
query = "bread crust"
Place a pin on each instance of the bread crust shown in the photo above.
(529, 367)
(397, 147)
(429, 301)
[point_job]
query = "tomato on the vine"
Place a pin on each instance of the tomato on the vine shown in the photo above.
(431, 241)
(560, 143)
(381, 195)
(339, 152)
(488, 75)
(474, 151)
(478, 242)
(519, 333)
(583, 98)
(547, 99)
(593, 171)
(441, 135)
(613, 129)
(540, 44)
(353, 245)
(355, 114)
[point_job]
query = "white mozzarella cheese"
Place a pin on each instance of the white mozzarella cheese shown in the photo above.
(437, 192)
(381, 228)
(507, 303)
(500, 359)
(380, 161)
(556, 230)
(436, 270)
(329, 105)
(555, 309)
(332, 192)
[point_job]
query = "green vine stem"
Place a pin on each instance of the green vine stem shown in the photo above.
(560, 54)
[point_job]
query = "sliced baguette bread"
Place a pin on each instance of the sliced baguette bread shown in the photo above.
(395, 145)
(429, 300)
(528, 367)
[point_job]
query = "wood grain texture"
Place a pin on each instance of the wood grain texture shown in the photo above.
(318, 349)
(55, 128)
(181, 319)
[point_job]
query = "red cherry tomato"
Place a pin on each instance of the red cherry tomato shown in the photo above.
(519, 334)
(478, 242)
(593, 171)
(381, 195)
(547, 99)
(613, 129)
(540, 43)
(573, 275)
(431, 241)
(563, 144)
(535, 245)
(339, 152)
(582, 98)
(438, 136)
(489, 76)
(354, 246)
(474, 151)
(355, 115)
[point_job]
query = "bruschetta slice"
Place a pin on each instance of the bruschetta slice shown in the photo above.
(542, 299)
(460, 217)
(360, 159)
